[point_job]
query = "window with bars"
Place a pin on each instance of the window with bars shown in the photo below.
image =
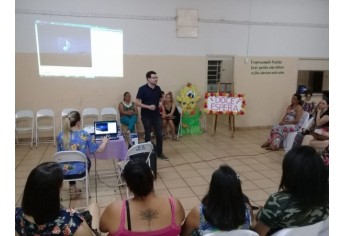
(213, 75)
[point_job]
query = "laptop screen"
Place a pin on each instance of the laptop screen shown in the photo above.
(105, 127)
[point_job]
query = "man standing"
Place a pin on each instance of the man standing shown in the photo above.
(148, 98)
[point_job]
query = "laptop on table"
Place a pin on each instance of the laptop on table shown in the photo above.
(106, 128)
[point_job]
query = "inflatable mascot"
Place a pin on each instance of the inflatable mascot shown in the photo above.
(188, 98)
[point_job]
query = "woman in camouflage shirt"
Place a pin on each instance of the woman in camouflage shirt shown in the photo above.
(303, 196)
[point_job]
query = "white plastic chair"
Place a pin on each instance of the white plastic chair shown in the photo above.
(64, 114)
(141, 148)
(109, 113)
(319, 229)
(325, 228)
(303, 123)
(236, 232)
(45, 122)
(25, 124)
(66, 157)
(179, 129)
(88, 117)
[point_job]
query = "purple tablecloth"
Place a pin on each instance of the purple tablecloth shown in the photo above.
(115, 149)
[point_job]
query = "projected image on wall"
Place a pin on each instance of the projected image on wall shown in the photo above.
(61, 45)
(78, 50)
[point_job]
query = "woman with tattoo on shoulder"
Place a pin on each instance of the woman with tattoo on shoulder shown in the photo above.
(145, 213)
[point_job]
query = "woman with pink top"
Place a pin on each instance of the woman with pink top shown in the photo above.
(145, 213)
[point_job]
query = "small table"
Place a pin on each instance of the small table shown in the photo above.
(115, 149)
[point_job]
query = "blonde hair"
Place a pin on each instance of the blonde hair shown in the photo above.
(70, 121)
(171, 96)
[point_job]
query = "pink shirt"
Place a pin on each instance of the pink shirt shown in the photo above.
(171, 230)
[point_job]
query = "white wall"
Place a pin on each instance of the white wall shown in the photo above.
(277, 28)
(286, 30)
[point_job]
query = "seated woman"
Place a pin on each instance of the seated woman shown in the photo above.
(289, 123)
(223, 208)
(170, 115)
(145, 213)
(73, 137)
(303, 197)
(128, 112)
(41, 212)
(307, 104)
(319, 127)
(321, 124)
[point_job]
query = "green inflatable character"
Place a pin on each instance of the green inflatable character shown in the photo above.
(191, 113)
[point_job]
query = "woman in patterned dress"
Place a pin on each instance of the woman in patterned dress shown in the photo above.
(41, 213)
(73, 137)
(289, 123)
(308, 104)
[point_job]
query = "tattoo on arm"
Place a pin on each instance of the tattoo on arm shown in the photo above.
(149, 215)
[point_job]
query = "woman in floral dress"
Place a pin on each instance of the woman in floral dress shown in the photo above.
(289, 123)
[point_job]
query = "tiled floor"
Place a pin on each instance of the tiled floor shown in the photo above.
(188, 171)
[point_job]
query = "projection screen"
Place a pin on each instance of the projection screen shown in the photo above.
(75, 50)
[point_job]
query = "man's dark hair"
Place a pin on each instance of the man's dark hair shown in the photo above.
(148, 74)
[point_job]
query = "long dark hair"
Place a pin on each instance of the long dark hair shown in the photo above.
(41, 198)
(299, 98)
(224, 202)
(125, 94)
(305, 177)
(138, 176)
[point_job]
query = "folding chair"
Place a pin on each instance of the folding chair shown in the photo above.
(109, 113)
(25, 124)
(74, 165)
(89, 115)
(137, 150)
(45, 122)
